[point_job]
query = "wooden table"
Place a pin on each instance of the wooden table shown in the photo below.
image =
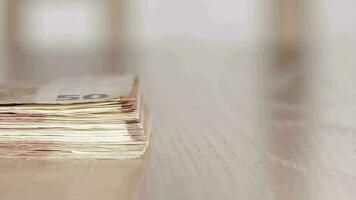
(226, 125)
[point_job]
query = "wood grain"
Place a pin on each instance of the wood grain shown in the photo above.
(229, 122)
(218, 133)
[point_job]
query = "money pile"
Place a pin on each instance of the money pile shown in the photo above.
(75, 117)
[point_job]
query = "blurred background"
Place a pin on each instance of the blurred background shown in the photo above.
(265, 86)
(84, 36)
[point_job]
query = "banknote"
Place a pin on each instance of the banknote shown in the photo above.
(67, 90)
(102, 116)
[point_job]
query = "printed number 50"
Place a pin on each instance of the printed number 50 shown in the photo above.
(78, 97)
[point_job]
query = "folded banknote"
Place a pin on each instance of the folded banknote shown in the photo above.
(100, 117)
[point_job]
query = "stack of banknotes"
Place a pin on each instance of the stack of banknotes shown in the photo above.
(101, 117)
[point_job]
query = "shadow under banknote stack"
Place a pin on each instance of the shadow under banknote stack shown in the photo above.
(74, 117)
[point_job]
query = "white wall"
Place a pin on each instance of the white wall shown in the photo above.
(66, 24)
(190, 30)
(244, 22)
(336, 31)
(67, 36)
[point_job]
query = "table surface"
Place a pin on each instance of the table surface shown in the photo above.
(226, 125)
